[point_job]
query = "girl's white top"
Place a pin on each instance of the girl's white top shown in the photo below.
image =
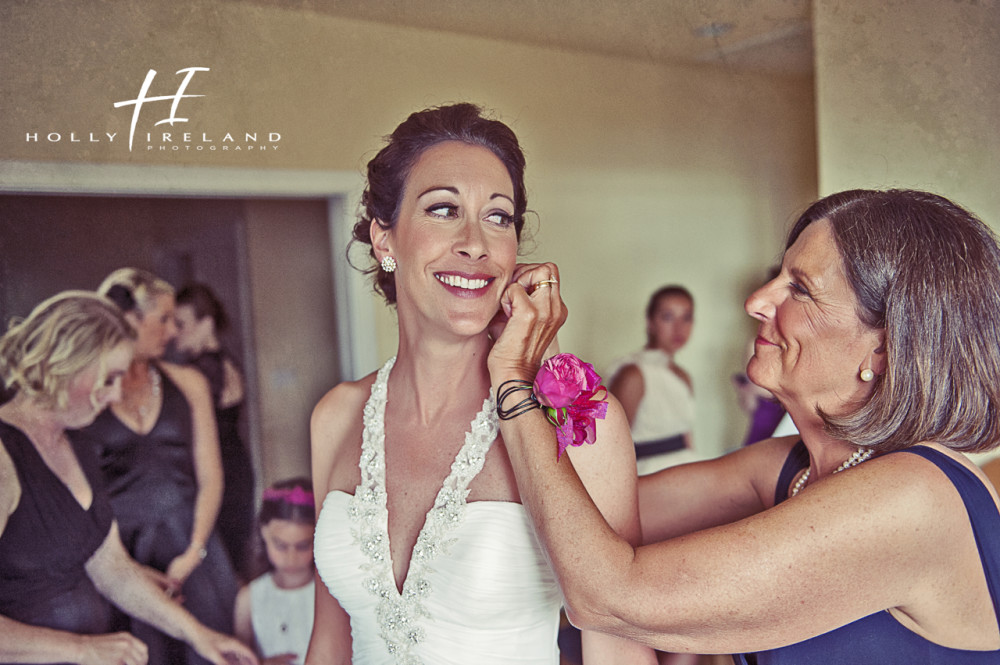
(282, 619)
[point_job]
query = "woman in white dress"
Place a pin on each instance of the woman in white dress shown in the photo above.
(423, 549)
(655, 391)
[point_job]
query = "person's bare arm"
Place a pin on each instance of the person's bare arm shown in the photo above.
(727, 588)
(22, 643)
(233, 390)
(607, 469)
(242, 619)
(331, 637)
(122, 581)
(207, 467)
(682, 499)
(10, 487)
(629, 387)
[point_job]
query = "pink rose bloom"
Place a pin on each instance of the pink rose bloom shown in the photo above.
(568, 386)
(563, 378)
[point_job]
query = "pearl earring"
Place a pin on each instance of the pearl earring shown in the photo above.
(388, 264)
(867, 375)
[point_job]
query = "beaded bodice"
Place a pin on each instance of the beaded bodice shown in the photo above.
(475, 574)
(399, 613)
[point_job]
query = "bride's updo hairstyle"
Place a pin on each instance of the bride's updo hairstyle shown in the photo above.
(389, 169)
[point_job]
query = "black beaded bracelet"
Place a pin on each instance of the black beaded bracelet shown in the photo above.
(527, 404)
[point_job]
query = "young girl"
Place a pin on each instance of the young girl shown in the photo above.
(274, 613)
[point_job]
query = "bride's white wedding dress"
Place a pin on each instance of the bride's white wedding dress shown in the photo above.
(478, 590)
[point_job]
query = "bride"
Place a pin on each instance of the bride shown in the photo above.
(424, 550)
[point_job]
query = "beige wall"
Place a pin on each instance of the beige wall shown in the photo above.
(908, 96)
(294, 329)
(641, 174)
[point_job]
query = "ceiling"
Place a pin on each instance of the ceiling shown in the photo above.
(743, 35)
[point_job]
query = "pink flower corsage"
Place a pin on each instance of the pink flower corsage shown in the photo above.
(572, 397)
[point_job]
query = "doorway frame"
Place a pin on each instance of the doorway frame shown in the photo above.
(353, 304)
(354, 309)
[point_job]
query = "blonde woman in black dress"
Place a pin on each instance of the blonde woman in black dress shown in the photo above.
(159, 456)
(61, 558)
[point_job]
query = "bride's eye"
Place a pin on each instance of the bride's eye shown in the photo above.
(500, 218)
(446, 210)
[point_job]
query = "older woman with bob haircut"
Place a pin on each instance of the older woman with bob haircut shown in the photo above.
(869, 538)
(61, 559)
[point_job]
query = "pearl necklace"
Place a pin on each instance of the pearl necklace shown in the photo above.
(857, 457)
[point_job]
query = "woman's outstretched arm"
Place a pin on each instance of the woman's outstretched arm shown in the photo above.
(124, 582)
(607, 470)
(773, 578)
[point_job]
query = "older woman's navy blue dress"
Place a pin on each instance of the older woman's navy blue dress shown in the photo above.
(878, 639)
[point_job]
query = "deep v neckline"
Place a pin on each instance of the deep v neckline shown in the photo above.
(32, 450)
(159, 410)
(400, 608)
(451, 495)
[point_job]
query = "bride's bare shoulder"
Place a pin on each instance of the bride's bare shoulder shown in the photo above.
(335, 432)
(345, 398)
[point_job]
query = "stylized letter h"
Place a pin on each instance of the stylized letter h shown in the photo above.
(142, 99)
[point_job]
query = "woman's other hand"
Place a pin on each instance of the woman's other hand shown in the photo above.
(112, 649)
(169, 586)
(533, 311)
(183, 565)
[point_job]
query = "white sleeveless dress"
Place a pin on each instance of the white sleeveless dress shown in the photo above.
(665, 410)
(478, 589)
(282, 619)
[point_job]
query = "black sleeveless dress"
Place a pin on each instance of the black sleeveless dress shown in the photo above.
(48, 539)
(152, 485)
(236, 517)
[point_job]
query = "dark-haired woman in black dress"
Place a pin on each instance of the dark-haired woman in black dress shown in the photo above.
(201, 318)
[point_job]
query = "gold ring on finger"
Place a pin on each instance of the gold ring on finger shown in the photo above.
(546, 283)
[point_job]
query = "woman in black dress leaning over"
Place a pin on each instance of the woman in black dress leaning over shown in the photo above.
(61, 559)
(159, 455)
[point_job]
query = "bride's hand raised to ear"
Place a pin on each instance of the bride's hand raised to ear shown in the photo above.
(534, 311)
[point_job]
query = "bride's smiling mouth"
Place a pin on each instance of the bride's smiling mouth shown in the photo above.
(462, 284)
